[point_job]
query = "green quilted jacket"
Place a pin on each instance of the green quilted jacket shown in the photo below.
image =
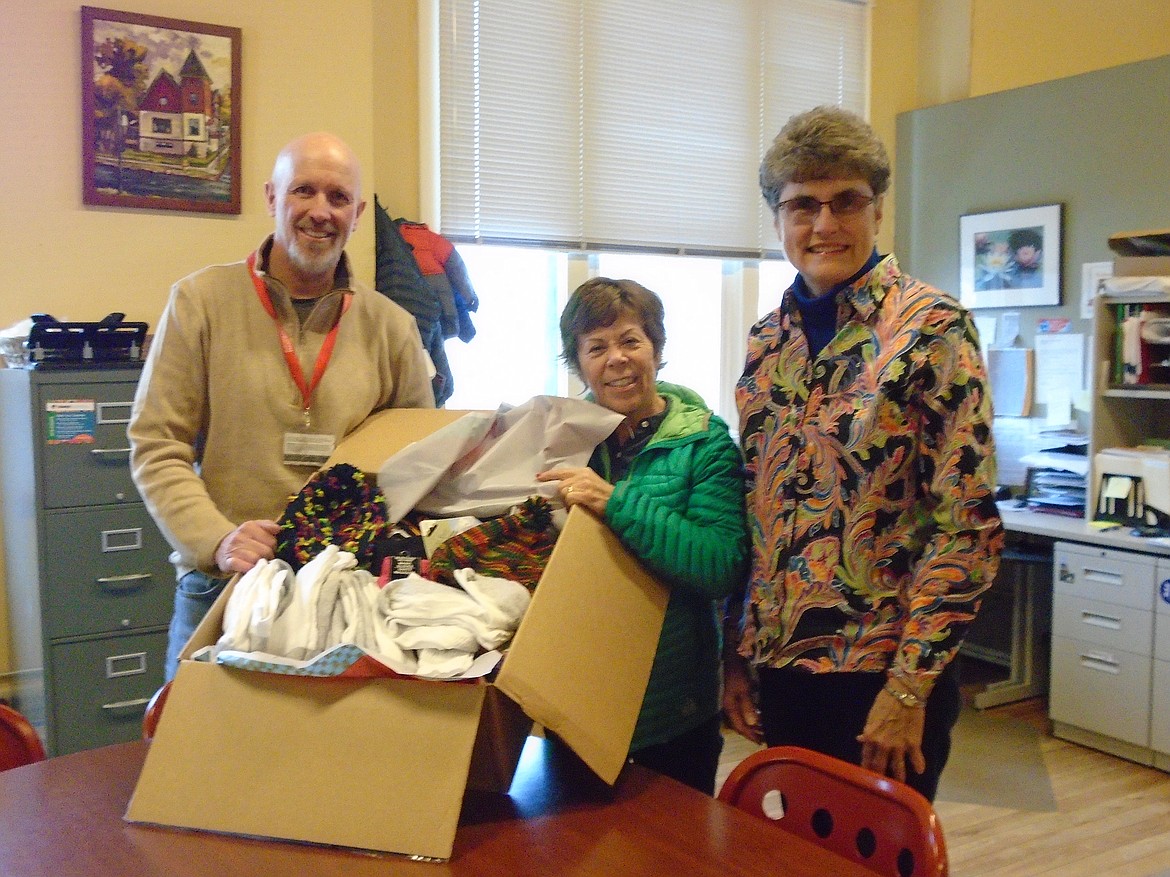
(681, 511)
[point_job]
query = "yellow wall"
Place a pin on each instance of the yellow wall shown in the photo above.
(1022, 42)
(350, 66)
(306, 65)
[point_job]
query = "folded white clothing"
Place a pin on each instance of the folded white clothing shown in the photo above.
(504, 601)
(272, 597)
(450, 637)
(417, 601)
(387, 649)
(442, 664)
(251, 606)
(357, 594)
(295, 632)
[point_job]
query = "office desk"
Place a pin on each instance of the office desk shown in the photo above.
(1032, 592)
(63, 817)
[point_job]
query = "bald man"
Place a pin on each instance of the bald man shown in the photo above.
(257, 370)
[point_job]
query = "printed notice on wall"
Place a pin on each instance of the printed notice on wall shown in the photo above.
(70, 421)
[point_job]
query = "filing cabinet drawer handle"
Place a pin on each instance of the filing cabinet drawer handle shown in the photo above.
(114, 412)
(1104, 663)
(131, 665)
(129, 539)
(1098, 620)
(106, 452)
(121, 584)
(126, 704)
(1103, 577)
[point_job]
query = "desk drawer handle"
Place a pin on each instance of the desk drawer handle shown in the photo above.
(1098, 620)
(121, 584)
(126, 704)
(105, 452)
(1104, 663)
(1104, 577)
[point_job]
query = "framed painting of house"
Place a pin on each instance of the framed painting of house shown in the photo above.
(160, 112)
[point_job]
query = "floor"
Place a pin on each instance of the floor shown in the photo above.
(1110, 818)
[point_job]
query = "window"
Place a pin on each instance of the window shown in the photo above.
(514, 354)
(622, 138)
(629, 123)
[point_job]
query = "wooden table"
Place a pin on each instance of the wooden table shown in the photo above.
(63, 817)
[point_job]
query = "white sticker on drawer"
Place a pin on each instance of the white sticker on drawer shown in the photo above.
(1164, 591)
(70, 421)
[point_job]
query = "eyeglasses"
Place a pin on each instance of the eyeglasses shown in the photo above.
(806, 208)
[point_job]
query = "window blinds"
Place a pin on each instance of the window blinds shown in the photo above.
(630, 123)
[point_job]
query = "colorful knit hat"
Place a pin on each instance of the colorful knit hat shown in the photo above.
(339, 506)
(515, 546)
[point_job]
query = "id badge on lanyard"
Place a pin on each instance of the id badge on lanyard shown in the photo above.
(305, 448)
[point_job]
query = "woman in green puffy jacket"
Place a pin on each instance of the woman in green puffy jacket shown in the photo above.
(669, 483)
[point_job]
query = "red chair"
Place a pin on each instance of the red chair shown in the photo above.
(879, 823)
(153, 712)
(19, 743)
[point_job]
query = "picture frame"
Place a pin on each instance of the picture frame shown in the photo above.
(1010, 258)
(161, 106)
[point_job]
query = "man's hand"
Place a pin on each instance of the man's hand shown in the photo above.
(244, 546)
(892, 737)
(739, 704)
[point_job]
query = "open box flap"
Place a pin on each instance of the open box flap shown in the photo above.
(587, 689)
(339, 762)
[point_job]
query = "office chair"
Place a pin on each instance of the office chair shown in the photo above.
(877, 822)
(19, 743)
(153, 712)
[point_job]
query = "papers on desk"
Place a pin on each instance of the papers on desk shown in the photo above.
(1058, 477)
(1062, 460)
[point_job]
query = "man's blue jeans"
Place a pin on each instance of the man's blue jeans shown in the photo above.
(195, 593)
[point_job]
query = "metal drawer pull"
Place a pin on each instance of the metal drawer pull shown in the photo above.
(102, 452)
(135, 665)
(1102, 662)
(1104, 577)
(126, 704)
(129, 539)
(120, 584)
(103, 407)
(1098, 620)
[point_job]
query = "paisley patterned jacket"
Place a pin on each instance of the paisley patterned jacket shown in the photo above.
(871, 481)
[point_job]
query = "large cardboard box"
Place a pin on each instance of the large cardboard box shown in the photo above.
(382, 764)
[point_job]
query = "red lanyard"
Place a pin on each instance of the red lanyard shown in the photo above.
(286, 344)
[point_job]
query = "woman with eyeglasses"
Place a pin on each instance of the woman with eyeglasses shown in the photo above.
(865, 421)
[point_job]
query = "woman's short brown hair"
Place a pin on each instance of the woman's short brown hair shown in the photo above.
(821, 144)
(600, 302)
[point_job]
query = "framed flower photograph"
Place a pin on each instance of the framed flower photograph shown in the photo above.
(1010, 258)
(160, 109)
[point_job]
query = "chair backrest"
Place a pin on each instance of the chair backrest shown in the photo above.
(877, 822)
(19, 743)
(153, 712)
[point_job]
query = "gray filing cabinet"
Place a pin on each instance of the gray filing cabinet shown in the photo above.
(1103, 681)
(90, 587)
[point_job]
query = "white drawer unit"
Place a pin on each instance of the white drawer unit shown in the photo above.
(1099, 689)
(1103, 644)
(1160, 696)
(1119, 577)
